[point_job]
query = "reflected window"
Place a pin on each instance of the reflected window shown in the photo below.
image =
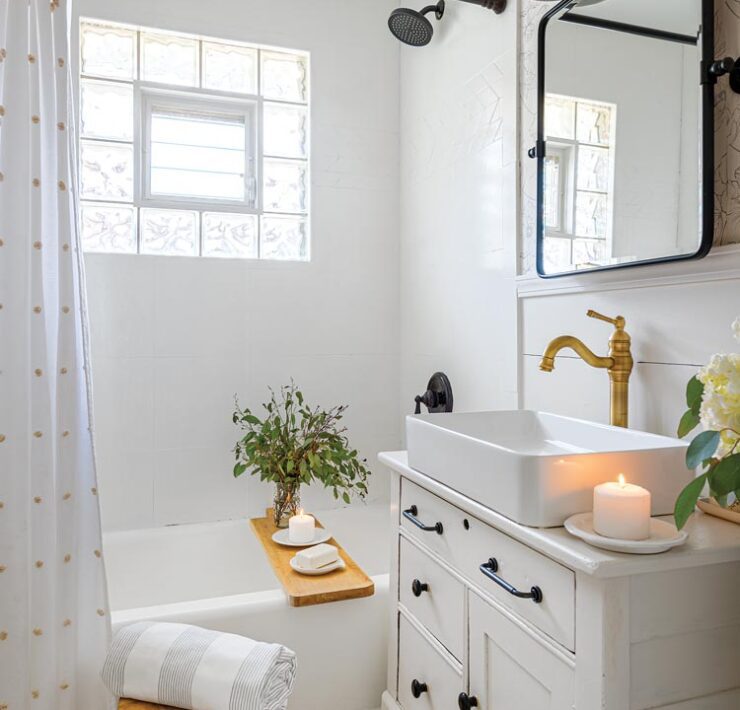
(578, 181)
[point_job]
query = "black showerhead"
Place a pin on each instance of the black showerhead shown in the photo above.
(412, 27)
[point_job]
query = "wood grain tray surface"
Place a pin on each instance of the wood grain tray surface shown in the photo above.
(302, 590)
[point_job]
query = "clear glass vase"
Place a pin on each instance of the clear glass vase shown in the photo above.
(286, 503)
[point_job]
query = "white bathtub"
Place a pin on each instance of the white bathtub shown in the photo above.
(216, 575)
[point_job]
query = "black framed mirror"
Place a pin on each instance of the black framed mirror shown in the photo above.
(625, 134)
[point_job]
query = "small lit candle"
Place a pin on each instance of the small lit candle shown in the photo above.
(622, 510)
(301, 528)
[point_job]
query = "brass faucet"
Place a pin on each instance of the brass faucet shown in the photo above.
(618, 363)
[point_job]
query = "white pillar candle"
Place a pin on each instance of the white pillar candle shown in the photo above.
(622, 510)
(301, 528)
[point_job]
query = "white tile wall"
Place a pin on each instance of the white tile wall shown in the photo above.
(175, 338)
(459, 209)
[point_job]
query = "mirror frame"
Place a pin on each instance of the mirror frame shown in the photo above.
(707, 136)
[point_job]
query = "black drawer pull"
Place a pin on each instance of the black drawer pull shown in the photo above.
(465, 701)
(418, 688)
(491, 567)
(418, 587)
(411, 514)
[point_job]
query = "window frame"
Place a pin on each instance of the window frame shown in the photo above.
(148, 97)
(252, 106)
(568, 149)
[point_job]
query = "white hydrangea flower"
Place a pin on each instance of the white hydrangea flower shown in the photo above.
(720, 408)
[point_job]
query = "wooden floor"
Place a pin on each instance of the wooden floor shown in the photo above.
(126, 704)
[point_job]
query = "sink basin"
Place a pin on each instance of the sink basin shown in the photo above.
(537, 468)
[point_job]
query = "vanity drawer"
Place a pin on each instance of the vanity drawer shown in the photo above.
(425, 671)
(433, 596)
(466, 543)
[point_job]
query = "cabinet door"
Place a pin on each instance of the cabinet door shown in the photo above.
(510, 669)
(428, 678)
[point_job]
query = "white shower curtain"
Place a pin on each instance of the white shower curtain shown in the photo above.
(54, 619)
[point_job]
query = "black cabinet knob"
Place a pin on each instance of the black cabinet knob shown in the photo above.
(465, 701)
(418, 688)
(418, 587)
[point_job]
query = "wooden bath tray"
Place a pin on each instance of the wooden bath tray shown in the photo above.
(301, 590)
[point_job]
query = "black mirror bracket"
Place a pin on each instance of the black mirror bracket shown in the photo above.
(720, 67)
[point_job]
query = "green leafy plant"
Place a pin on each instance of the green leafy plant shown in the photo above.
(713, 400)
(294, 443)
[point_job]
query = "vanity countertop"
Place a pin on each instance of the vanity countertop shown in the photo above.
(711, 540)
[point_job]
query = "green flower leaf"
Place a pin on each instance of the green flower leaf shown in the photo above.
(694, 394)
(724, 478)
(689, 422)
(702, 448)
(686, 501)
(239, 469)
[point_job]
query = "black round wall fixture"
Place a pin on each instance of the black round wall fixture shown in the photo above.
(438, 397)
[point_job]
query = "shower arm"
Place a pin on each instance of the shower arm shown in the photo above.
(498, 6)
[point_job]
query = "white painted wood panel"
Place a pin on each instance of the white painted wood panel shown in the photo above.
(675, 668)
(441, 606)
(682, 324)
(721, 701)
(684, 601)
(420, 660)
(510, 669)
(574, 389)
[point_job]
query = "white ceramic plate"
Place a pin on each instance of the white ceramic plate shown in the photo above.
(663, 536)
(282, 537)
(338, 564)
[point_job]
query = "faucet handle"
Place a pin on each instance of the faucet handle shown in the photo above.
(618, 322)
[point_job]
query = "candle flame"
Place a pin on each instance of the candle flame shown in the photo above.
(621, 480)
(300, 511)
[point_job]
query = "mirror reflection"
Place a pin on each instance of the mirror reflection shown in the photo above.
(621, 97)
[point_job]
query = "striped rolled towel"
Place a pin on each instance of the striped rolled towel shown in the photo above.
(198, 669)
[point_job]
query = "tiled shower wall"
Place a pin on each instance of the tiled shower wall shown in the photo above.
(175, 338)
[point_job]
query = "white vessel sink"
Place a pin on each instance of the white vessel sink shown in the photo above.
(538, 469)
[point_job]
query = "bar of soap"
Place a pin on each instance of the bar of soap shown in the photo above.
(317, 556)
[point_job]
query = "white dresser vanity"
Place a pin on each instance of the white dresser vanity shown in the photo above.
(491, 614)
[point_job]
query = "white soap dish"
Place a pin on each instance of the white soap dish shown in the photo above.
(331, 567)
(282, 537)
(663, 536)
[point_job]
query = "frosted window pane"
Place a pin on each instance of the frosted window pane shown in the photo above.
(106, 171)
(229, 235)
(229, 68)
(591, 215)
(285, 131)
(589, 252)
(108, 228)
(172, 232)
(559, 117)
(198, 156)
(593, 169)
(285, 186)
(552, 191)
(284, 76)
(594, 123)
(107, 110)
(107, 51)
(169, 59)
(555, 254)
(283, 237)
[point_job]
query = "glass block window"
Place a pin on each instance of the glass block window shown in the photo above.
(192, 146)
(579, 180)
